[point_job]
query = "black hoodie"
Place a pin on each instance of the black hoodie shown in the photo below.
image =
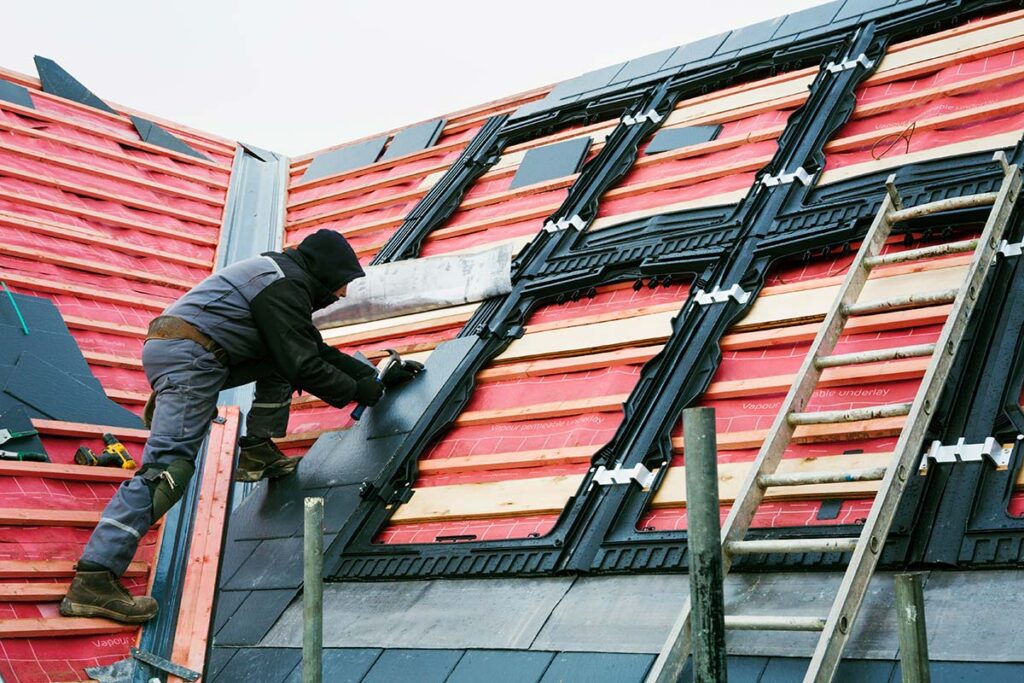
(282, 312)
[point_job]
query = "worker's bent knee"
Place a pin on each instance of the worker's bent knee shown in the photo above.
(167, 484)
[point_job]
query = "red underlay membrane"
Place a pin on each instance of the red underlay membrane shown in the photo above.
(206, 190)
(649, 200)
(913, 140)
(22, 224)
(128, 190)
(749, 153)
(482, 238)
(106, 207)
(84, 278)
(733, 414)
(504, 474)
(432, 338)
(467, 530)
(589, 429)
(163, 243)
(592, 427)
(117, 345)
(42, 660)
(770, 515)
(13, 235)
(571, 386)
(608, 299)
(62, 145)
(1016, 508)
(374, 175)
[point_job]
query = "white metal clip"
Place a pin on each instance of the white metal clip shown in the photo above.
(968, 452)
(638, 473)
(572, 222)
(786, 178)
(1008, 250)
(836, 67)
(718, 295)
(649, 115)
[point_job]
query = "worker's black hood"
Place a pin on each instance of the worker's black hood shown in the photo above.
(330, 259)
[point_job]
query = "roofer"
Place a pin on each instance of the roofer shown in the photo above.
(251, 321)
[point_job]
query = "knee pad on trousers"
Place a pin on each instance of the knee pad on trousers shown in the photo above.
(167, 484)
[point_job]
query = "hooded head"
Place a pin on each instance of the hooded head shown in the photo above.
(330, 259)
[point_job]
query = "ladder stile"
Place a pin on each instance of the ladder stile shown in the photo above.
(894, 476)
(751, 493)
(865, 557)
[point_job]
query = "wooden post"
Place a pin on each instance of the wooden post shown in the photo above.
(704, 538)
(912, 633)
(313, 592)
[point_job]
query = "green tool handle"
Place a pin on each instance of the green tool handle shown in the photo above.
(28, 457)
(17, 311)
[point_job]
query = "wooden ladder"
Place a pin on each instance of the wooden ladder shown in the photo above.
(836, 627)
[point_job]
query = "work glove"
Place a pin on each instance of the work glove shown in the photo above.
(400, 373)
(369, 391)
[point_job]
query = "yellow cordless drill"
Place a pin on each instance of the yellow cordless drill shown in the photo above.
(114, 454)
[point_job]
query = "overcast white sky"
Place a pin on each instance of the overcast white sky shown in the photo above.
(295, 76)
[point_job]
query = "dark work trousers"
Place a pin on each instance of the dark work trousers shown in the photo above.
(187, 379)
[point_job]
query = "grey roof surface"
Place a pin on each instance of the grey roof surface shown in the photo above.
(770, 34)
(632, 614)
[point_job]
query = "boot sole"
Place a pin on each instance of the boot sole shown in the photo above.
(75, 609)
(272, 472)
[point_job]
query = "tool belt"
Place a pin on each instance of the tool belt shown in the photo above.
(173, 327)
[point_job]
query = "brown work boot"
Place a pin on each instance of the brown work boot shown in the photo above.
(100, 594)
(262, 459)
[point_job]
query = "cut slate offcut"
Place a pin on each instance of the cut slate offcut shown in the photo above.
(55, 394)
(677, 138)
(156, 135)
(414, 138)
(345, 159)
(16, 419)
(551, 161)
(15, 94)
(56, 81)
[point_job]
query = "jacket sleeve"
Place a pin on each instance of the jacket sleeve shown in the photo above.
(344, 362)
(281, 314)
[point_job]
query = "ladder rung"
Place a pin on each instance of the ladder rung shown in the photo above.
(852, 415)
(806, 478)
(950, 204)
(877, 355)
(922, 253)
(913, 301)
(744, 622)
(792, 545)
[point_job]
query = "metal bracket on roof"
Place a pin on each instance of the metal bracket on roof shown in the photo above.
(650, 115)
(571, 222)
(1008, 250)
(965, 452)
(620, 475)
(719, 295)
(161, 664)
(786, 178)
(834, 67)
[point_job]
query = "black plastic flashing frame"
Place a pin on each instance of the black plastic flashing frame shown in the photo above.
(716, 246)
